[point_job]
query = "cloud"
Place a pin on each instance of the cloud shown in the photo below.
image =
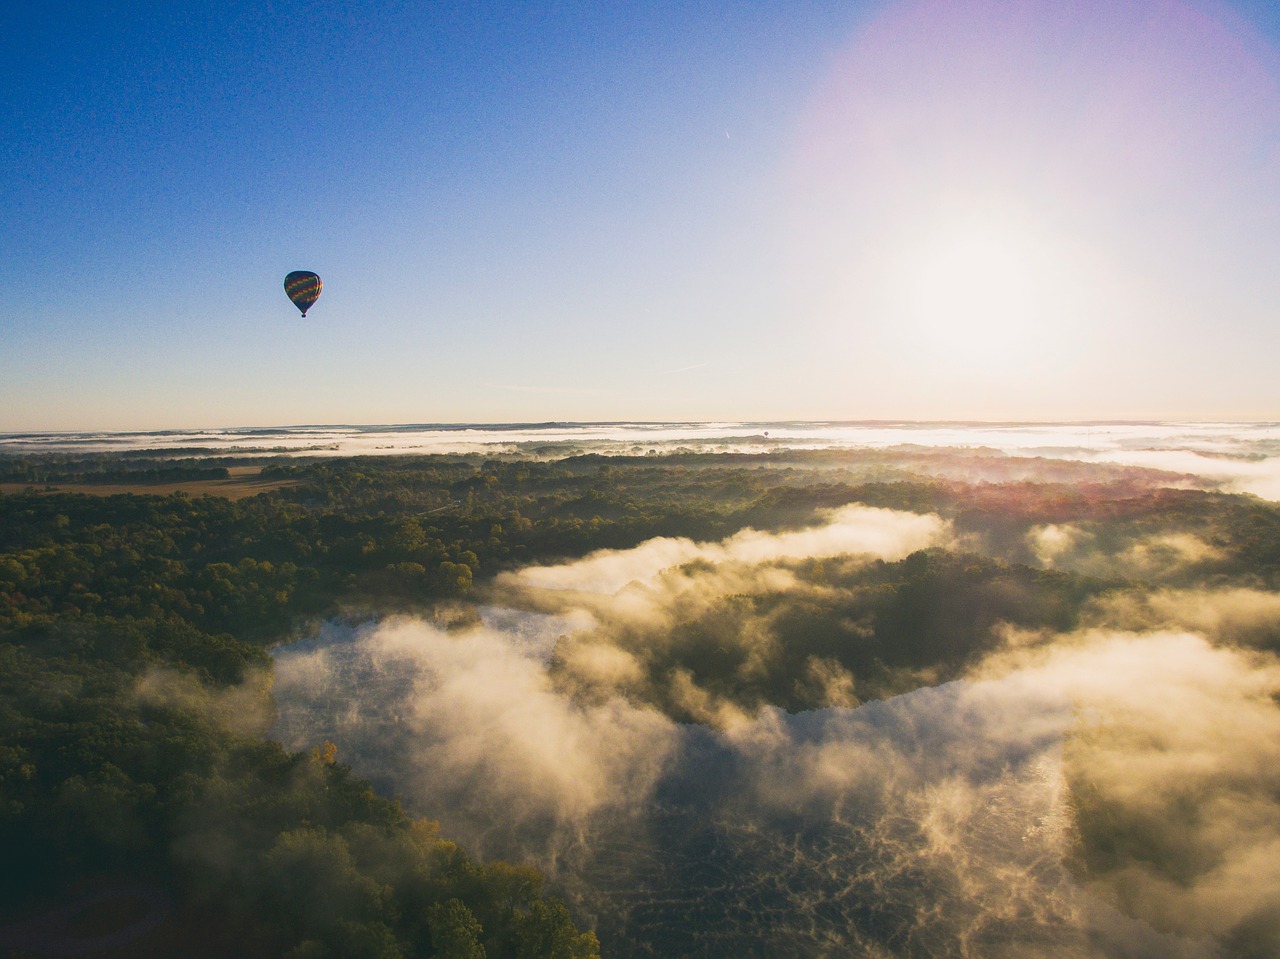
(245, 709)
(1071, 546)
(1173, 759)
(1112, 791)
(1247, 472)
(469, 724)
(1237, 615)
(880, 533)
(1109, 795)
(1055, 542)
(657, 611)
(1097, 794)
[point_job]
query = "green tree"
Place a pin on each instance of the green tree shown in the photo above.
(546, 931)
(453, 579)
(455, 931)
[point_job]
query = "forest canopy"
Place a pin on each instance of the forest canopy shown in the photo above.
(136, 633)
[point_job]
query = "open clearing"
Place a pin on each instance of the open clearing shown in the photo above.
(243, 481)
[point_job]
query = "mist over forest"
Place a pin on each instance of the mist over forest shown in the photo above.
(889, 702)
(545, 603)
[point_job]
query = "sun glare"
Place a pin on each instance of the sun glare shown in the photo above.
(983, 289)
(983, 281)
(1033, 207)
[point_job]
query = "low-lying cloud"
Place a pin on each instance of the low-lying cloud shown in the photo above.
(1110, 794)
(472, 721)
(858, 530)
(1111, 790)
(1230, 615)
(1250, 471)
(1174, 763)
(1071, 546)
(244, 708)
(652, 614)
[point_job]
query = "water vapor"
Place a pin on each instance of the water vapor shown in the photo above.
(860, 530)
(1173, 759)
(1070, 546)
(1106, 790)
(1106, 794)
(472, 721)
(244, 708)
(1231, 615)
(659, 610)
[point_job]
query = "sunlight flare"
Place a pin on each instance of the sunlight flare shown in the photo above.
(980, 287)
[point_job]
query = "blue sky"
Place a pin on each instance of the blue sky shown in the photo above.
(638, 211)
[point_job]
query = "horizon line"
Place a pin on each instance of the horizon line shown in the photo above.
(571, 424)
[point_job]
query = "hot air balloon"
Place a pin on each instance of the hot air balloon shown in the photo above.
(303, 288)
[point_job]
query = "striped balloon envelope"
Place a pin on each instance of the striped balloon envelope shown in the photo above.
(303, 288)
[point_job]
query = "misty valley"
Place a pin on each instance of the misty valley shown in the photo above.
(902, 702)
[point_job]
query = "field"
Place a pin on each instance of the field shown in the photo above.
(243, 481)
